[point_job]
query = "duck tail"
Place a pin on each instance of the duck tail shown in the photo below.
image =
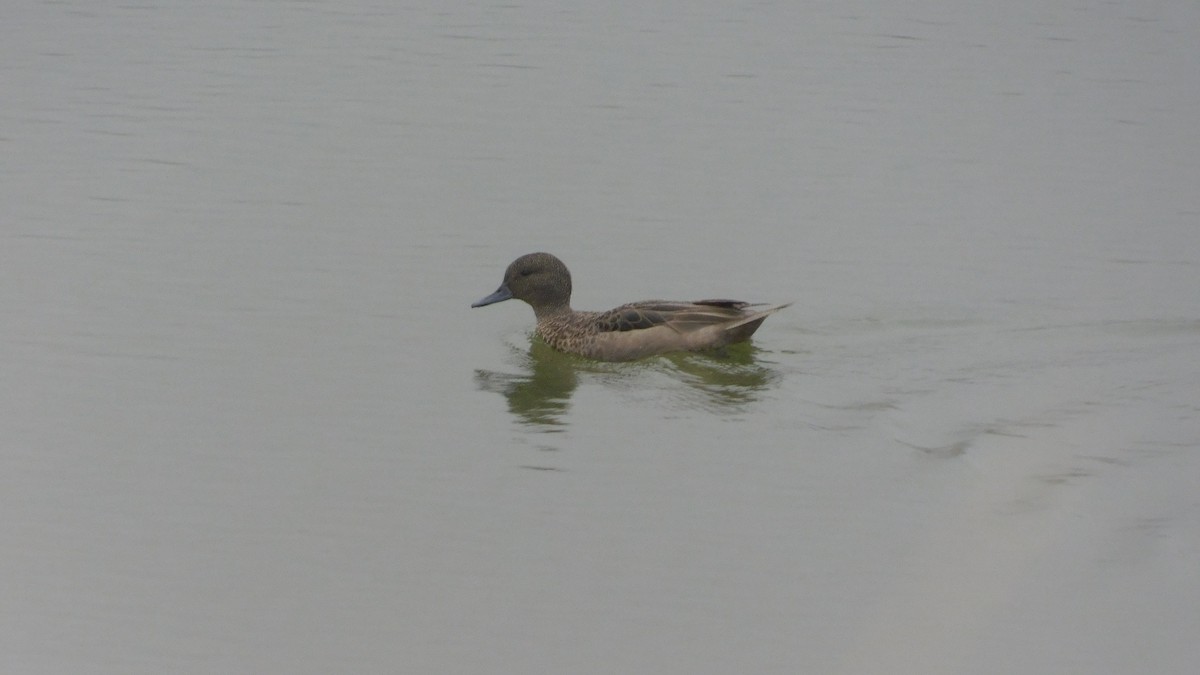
(757, 316)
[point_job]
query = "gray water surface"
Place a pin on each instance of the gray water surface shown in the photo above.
(250, 424)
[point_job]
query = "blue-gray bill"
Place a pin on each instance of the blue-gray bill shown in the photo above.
(501, 294)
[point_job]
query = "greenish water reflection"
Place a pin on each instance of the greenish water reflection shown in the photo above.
(722, 381)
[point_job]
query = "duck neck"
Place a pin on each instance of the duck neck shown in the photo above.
(549, 312)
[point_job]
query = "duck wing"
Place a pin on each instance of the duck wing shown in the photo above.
(680, 316)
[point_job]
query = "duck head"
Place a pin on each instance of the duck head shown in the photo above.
(539, 279)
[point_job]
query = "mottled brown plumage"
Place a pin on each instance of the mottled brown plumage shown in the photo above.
(630, 331)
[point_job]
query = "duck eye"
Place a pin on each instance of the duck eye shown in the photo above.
(526, 273)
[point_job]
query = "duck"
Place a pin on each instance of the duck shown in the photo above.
(632, 331)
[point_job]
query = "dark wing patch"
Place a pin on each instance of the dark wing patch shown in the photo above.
(730, 304)
(631, 317)
(680, 316)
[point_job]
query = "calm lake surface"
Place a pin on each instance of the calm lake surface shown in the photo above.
(250, 425)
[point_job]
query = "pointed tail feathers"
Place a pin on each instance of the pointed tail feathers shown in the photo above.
(757, 316)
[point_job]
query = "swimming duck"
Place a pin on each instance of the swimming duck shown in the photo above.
(629, 332)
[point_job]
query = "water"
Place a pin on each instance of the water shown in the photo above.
(251, 425)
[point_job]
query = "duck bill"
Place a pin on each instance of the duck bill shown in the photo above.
(500, 295)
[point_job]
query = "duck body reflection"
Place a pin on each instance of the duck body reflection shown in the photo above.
(721, 381)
